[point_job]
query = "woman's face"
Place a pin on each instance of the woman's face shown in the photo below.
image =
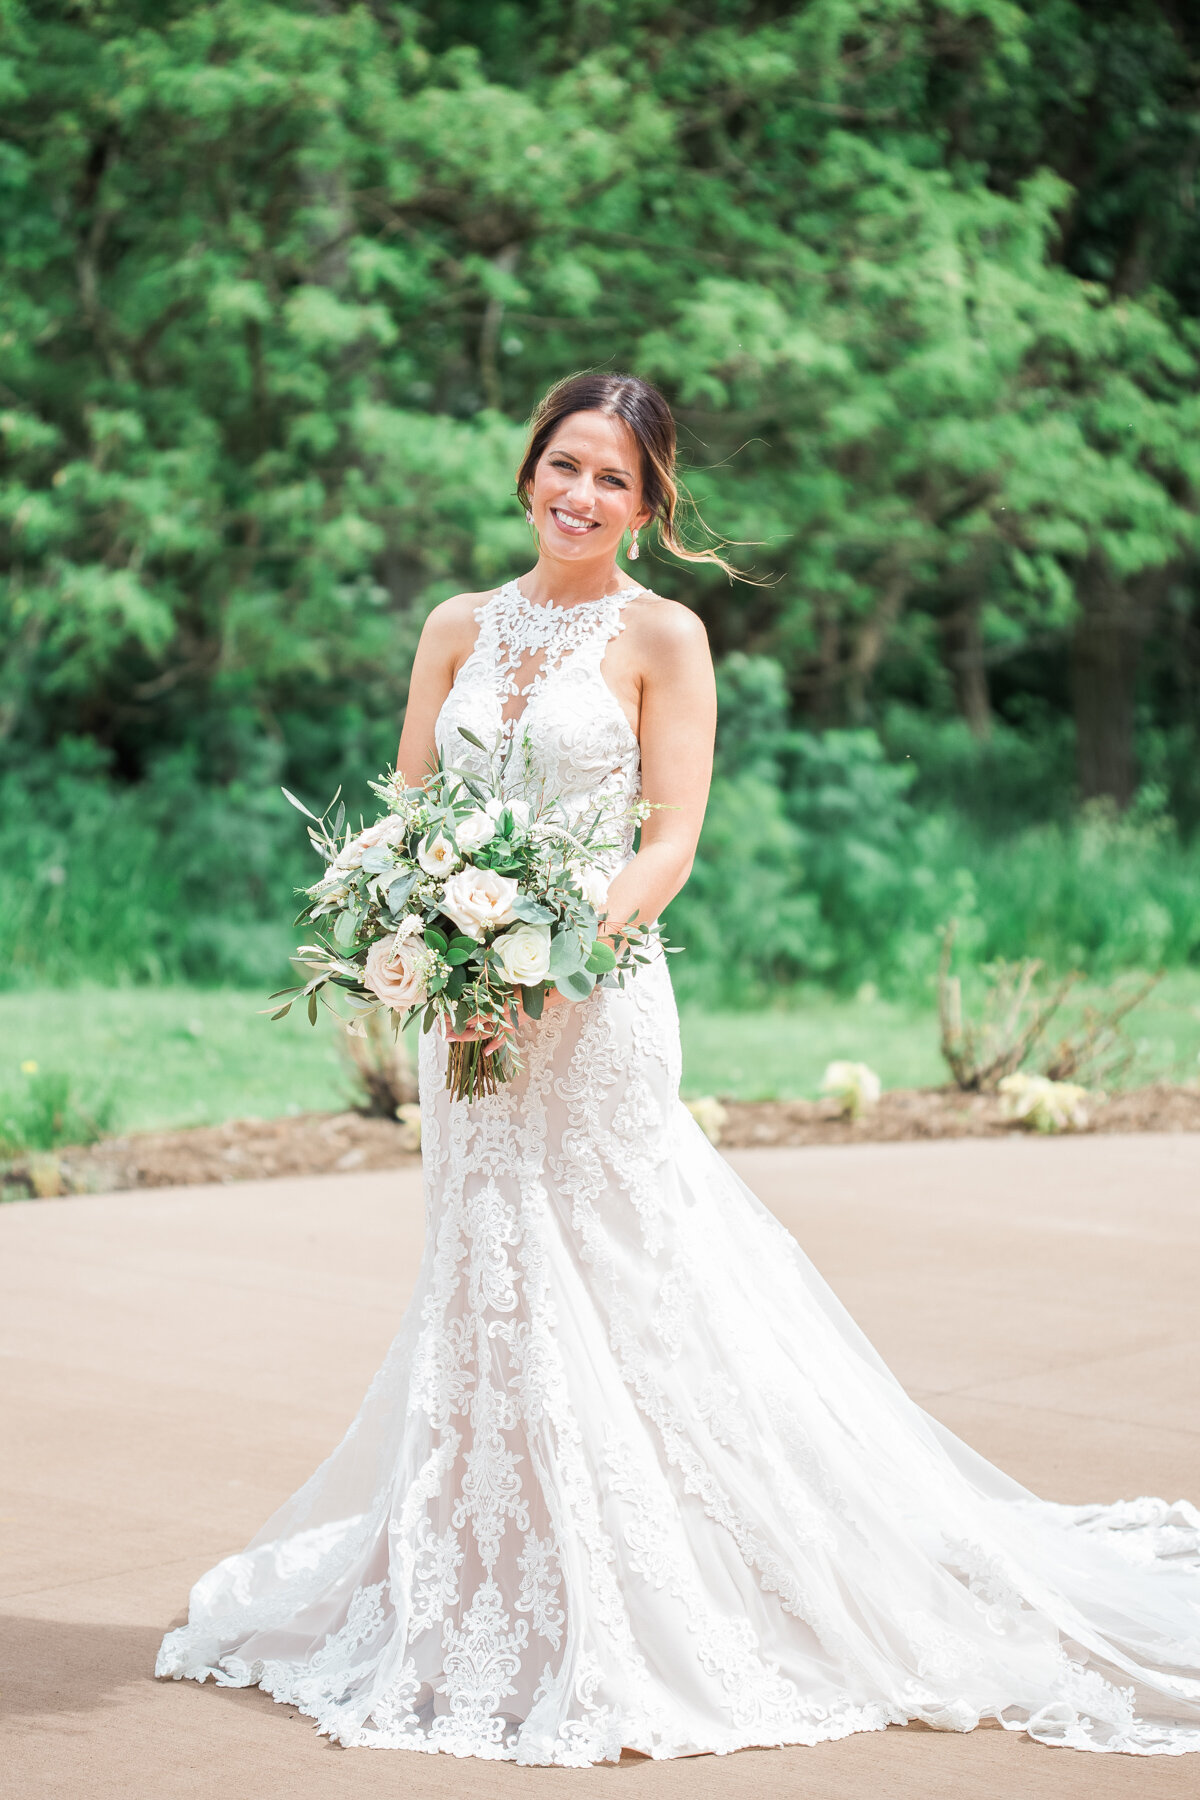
(587, 488)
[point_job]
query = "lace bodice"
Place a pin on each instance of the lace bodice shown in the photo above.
(534, 676)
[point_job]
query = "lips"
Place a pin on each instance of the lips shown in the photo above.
(572, 523)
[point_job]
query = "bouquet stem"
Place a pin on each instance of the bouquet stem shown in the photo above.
(470, 1069)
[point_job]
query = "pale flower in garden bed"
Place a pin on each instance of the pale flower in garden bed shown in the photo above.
(409, 1116)
(854, 1085)
(1042, 1104)
(709, 1115)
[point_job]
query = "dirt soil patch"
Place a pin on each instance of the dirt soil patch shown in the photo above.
(906, 1113)
(326, 1143)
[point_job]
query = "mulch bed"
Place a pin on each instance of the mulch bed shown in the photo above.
(331, 1143)
(904, 1114)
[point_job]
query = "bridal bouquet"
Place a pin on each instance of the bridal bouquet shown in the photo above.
(465, 906)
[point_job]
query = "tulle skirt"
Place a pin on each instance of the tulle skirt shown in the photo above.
(630, 1476)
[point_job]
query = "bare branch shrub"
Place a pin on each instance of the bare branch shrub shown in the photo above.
(1013, 1018)
(1097, 1053)
(980, 1053)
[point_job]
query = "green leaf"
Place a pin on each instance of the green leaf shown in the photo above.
(377, 860)
(576, 986)
(429, 1016)
(456, 981)
(345, 929)
(300, 806)
(312, 1007)
(283, 1011)
(400, 889)
(531, 911)
(566, 954)
(534, 999)
(435, 940)
(460, 949)
(472, 739)
(602, 959)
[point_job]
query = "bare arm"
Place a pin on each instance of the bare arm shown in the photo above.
(446, 640)
(678, 724)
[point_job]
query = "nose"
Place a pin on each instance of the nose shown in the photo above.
(581, 491)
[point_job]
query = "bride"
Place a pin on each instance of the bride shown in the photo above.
(629, 1475)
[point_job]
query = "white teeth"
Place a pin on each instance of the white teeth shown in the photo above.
(570, 520)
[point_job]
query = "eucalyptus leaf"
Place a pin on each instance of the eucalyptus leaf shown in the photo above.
(531, 911)
(566, 954)
(401, 888)
(534, 999)
(576, 986)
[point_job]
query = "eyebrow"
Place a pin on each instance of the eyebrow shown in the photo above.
(611, 469)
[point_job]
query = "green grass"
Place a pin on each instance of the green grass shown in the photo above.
(195, 1056)
(781, 1054)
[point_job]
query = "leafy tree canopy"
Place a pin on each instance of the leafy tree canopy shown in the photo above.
(281, 281)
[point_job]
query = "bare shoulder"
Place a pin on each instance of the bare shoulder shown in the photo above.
(449, 629)
(449, 618)
(665, 629)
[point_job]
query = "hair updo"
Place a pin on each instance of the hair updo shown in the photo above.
(649, 418)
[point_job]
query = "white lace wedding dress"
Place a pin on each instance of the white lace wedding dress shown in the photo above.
(630, 1475)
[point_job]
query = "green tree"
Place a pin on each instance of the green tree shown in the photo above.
(282, 279)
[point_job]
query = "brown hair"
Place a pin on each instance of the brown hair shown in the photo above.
(649, 418)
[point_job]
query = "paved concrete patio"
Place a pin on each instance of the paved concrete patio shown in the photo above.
(179, 1361)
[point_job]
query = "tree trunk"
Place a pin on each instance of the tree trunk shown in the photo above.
(962, 653)
(1105, 650)
(871, 642)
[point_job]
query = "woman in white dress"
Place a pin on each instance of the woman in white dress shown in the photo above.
(629, 1475)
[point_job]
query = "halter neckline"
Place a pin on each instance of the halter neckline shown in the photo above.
(512, 588)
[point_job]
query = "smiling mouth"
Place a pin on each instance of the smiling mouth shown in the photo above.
(571, 523)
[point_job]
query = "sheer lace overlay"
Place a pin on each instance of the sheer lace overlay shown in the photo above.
(630, 1475)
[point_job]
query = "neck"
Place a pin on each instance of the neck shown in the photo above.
(571, 583)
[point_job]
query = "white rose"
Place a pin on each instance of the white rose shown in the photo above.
(592, 883)
(350, 856)
(393, 965)
(524, 954)
(389, 830)
(478, 900)
(477, 829)
(436, 855)
(518, 808)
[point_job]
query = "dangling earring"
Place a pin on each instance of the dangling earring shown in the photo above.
(529, 515)
(634, 552)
